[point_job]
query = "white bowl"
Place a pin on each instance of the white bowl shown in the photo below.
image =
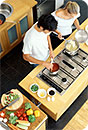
(86, 28)
(42, 92)
(50, 90)
(86, 42)
(32, 85)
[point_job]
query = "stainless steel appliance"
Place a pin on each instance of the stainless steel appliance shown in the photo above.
(70, 68)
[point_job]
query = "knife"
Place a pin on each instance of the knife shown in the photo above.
(10, 104)
(4, 125)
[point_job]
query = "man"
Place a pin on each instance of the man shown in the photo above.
(37, 44)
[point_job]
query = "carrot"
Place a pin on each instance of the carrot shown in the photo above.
(13, 127)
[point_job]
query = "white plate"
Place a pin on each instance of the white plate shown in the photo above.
(42, 91)
(86, 28)
(32, 85)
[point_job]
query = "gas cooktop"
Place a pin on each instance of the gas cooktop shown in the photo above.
(70, 68)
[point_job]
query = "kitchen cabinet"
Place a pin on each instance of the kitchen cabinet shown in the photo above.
(13, 31)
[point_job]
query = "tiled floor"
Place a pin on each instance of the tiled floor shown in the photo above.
(14, 69)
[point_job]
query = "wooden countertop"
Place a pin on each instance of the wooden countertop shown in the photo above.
(80, 120)
(20, 7)
(61, 102)
(39, 120)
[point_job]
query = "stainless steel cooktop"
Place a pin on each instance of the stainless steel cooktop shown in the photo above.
(70, 68)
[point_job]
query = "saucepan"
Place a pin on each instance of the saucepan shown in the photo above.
(55, 68)
(71, 47)
(3, 19)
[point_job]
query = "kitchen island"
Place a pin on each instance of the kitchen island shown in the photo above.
(62, 102)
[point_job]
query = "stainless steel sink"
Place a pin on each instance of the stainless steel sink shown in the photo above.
(6, 9)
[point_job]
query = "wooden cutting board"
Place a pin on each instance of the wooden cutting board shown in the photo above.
(39, 120)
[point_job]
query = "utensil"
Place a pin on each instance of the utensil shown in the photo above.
(81, 36)
(4, 125)
(10, 104)
(75, 43)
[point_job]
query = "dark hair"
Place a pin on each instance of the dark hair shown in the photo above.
(48, 22)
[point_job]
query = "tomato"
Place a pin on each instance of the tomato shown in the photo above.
(21, 118)
(24, 115)
(25, 118)
(18, 114)
(2, 114)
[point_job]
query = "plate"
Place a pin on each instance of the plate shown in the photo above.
(42, 93)
(17, 104)
(34, 87)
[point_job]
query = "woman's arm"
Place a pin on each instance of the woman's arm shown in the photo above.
(59, 34)
(76, 23)
(29, 58)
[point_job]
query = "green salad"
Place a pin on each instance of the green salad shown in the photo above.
(34, 87)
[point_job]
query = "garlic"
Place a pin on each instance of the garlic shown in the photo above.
(12, 114)
(5, 120)
(1, 119)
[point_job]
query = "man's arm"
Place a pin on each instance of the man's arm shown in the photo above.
(76, 23)
(29, 58)
(50, 47)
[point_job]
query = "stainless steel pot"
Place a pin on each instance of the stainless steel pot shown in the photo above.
(74, 51)
(81, 36)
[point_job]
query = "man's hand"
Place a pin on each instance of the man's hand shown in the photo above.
(52, 55)
(48, 65)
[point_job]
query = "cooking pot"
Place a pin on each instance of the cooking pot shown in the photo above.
(55, 69)
(3, 19)
(81, 36)
(71, 47)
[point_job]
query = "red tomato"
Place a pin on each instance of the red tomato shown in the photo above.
(24, 115)
(25, 118)
(18, 114)
(21, 118)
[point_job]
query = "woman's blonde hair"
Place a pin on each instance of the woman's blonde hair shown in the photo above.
(72, 7)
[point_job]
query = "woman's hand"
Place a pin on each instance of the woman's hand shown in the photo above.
(48, 65)
(60, 36)
(52, 55)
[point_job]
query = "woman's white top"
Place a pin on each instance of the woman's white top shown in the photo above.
(65, 25)
(36, 44)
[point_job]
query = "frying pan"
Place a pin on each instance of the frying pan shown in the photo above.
(3, 19)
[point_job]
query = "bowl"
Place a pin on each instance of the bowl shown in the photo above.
(42, 93)
(55, 69)
(81, 36)
(34, 87)
(6, 9)
(71, 47)
(86, 28)
(51, 92)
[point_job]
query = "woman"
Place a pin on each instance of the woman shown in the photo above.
(66, 17)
